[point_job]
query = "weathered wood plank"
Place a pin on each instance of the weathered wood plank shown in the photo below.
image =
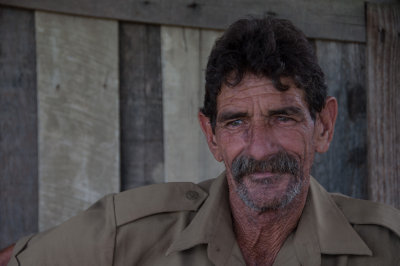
(344, 167)
(18, 126)
(326, 19)
(77, 64)
(383, 108)
(141, 111)
(186, 153)
(207, 161)
(207, 40)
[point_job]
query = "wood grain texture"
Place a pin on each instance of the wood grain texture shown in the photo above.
(187, 157)
(141, 107)
(383, 108)
(344, 167)
(18, 126)
(77, 64)
(326, 19)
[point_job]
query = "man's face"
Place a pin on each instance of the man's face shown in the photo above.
(266, 138)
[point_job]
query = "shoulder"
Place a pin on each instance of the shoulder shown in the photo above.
(80, 239)
(159, 198)
(150, 218)
(377, 224)
(364, 212)
(72, 242)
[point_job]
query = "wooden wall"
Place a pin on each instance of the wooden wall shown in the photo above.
(78, 109)
(383, 72)
(95, 102)
(141, 105)
(18, 126)
(344, 167)
(184, 55)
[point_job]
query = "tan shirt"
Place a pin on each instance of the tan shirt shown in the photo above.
(187, 224)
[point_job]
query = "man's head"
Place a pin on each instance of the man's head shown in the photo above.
(266, 47)
(266, 111)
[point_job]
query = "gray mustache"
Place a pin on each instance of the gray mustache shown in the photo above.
(281, 162)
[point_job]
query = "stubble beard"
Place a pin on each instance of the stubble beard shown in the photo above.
(280, 164)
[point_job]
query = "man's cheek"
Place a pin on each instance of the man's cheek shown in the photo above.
(230, 145)
(293, 139)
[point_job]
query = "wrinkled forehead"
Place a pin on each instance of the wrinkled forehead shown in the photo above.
(262, 91)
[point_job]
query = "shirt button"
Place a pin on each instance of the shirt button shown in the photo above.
(192, 195)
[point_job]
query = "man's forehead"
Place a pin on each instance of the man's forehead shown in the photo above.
(261, 89)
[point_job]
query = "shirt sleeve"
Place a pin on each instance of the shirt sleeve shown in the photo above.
(86, 239)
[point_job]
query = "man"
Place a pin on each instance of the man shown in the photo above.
(265, 115)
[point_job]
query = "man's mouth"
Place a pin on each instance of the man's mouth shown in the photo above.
(261, 175)
(277, 165)
(265, 178)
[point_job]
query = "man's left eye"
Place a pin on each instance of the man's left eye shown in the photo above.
(235, 123)
(284, 119)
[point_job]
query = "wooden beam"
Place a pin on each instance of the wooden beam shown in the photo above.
(78, 113)
(383, 66)
(343, 168)
(18, 126)
(326, 19)
(141, 107)
(187, 157)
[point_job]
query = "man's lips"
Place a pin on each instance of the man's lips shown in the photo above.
(261, 175)
(262, 179)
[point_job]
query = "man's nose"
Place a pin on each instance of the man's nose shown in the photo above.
(262, 141)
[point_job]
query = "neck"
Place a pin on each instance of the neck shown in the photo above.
(260, 235)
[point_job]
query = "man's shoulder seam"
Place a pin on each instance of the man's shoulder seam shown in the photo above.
(365, 212)
(140, 202)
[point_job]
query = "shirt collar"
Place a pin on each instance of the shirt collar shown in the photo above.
(322, 228)
(335, 233)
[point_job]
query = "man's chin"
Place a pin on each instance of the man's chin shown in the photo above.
(263, 203)
(270, 193)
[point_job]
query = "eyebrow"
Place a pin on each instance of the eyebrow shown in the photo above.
(232, 115)
(228, 115)
(290, 110)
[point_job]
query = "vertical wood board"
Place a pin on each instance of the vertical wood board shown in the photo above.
(207, 40)
(77, 64)
(187, 157)
(141, 107)
(344, 167)
(383, 66)
(18, 126)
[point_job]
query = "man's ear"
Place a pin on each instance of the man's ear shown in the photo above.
(210, 136)
(325, 125)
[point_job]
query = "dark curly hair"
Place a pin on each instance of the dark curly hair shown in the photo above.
(266, 47)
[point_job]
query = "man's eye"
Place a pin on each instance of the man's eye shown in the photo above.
(235, 123)
(284, 119)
